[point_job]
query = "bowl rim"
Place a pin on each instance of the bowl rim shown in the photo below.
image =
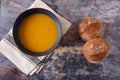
(19, 20)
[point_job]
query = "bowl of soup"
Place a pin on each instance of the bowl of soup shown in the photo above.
(37, 32)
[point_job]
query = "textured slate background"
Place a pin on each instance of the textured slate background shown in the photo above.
(69, 63)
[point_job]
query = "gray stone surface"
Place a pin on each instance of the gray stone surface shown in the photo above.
(69, 63)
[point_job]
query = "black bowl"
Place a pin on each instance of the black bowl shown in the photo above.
(19, 21)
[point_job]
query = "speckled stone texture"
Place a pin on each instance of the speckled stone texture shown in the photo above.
(69, 63)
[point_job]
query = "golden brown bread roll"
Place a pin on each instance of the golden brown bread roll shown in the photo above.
(90, 28)
(96, 50)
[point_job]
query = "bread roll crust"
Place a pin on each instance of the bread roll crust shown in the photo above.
(90, 28)
(96, 50)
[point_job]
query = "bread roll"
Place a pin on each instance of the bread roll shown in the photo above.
(90, 28)
(96, 50)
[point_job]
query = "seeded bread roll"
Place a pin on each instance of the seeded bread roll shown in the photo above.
(96, 50)
(90, 28)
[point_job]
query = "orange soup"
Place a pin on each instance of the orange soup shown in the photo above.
(38, 32)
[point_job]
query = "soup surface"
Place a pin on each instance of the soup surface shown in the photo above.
(38, 32)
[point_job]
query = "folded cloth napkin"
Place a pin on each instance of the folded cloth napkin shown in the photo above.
(26, 63)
